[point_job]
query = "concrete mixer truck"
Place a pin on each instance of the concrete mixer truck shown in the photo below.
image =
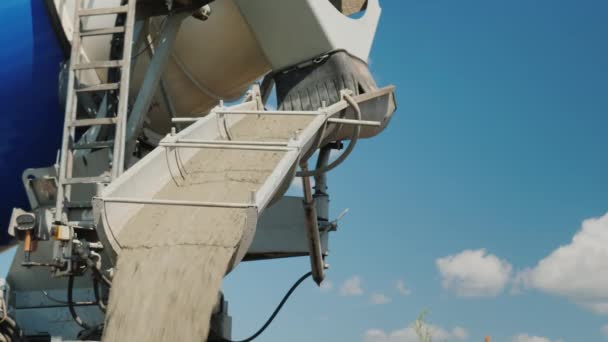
(142, 160)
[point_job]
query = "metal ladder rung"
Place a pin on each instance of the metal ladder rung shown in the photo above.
(103, 31)
(85, 180)
(99, 87)
(102, 11)
(98, 65)
(93, 122)
(93, 145)
(71, 121)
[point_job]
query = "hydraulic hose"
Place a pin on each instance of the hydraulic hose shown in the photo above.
(276, 311)
(75, 316)
(98, 299)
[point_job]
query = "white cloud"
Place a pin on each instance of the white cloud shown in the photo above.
(402, 289)
(326, 286)
(578, 270)
(409, 334)
(528, 338)
(474, 273)
(352, 287)
(460, 333)
(379, 299)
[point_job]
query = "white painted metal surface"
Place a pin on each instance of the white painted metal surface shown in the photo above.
(240, 42)
(295, 31)
(215, 59)
(151, 174)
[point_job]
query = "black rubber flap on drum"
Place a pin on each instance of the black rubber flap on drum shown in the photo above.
(306, 87)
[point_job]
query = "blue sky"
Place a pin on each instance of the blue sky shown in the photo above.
(495, 157)
(499, 143)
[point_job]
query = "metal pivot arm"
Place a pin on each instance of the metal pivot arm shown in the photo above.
(320, 196)
(312, 229)
(151, 81)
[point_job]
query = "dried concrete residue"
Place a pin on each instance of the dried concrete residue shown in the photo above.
(174, 258)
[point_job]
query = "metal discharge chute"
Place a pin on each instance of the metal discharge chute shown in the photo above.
(153, 158)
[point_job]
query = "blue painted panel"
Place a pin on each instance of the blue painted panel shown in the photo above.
(31, 119)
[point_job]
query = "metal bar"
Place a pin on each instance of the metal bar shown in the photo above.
(70, 115)
(176, 120)
(97, 65)
(151, 80)
(228, 147)
(178, 203)
(93, 145)
(312, 230)
(58, 306)
(93, 122)
(92, 134)
(355, 122)
(163, 85)
(119, 154)
(268, 112)
(103, 31)
(99, 87)
(86, 180)
(251, 112)
(83, 223)
(234, 142)
(101, 11)
(320, 196)
(78, 204)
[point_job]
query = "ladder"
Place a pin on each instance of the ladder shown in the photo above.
(73, 121)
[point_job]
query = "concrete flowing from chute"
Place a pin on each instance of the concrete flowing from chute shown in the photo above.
(173, 258)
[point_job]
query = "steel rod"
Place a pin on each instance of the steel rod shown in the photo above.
(151, 81)
(233, 142)
(176, 120)
(268, 112)
(128, 200)
(355, 122)
(249, 112)
(312, 230)
(120, 137)
(227, 147)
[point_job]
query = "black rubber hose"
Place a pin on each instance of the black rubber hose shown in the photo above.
(98, 299)
(75, 316)
(276, 311)
(351, 145)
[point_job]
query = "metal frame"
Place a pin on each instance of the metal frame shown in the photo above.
(268, 112)
(152, 79)
(355, 122)
(317, 264)
(178, 203)
(294, 113)
(234, 142)
(226, 146)
(66, 164)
